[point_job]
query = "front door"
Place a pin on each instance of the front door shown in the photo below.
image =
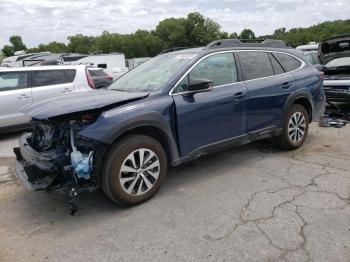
(206, 118)
(14, 93)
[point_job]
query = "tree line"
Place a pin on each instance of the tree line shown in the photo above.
(194, 30)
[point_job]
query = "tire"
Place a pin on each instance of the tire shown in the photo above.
(293, 136)
(124, 180)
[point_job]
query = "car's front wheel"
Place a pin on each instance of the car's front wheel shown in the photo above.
(133, 170)
(295, 128)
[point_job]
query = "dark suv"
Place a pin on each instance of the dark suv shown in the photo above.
(172, 109)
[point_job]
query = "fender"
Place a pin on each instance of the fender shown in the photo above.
(114, 123)
(300, 93)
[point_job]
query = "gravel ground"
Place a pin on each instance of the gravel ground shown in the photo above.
(251, 203)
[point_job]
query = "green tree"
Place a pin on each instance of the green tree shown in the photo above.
(247, 34)
(17, 43)
(7, 50)
(201, 30)
(233, 35)
(172, 32)
(280, 32)
(80, 43)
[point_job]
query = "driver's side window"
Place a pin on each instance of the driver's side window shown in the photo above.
(219, 68)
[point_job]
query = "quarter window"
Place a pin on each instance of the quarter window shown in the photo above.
(220, 68)
(288, 62)
(13, 80)
(255, 64)
(277, 68)
(52, 77)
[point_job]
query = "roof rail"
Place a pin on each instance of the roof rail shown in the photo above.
(224, 43)
(173, 49)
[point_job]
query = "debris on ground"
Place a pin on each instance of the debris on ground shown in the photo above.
(334, 117)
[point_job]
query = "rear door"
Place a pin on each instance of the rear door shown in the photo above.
(14, 93)
(268, 87)
(51, 83)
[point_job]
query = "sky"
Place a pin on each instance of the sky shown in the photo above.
(43, 21)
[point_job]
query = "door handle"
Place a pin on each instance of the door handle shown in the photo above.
(66, 90)
(286, 85)
(239, 95)
(23, 96)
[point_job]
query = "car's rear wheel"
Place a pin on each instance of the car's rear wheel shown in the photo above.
(133, 170)
(295, 128)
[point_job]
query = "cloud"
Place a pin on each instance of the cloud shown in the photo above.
(43, 21)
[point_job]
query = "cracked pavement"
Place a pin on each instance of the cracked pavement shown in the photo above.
(251, 203)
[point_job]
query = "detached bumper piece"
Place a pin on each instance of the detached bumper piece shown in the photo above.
(31, 176)
(40, 170)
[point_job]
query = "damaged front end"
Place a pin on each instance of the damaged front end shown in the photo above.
(54, 157)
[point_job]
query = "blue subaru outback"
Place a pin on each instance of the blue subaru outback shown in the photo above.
(180, 105)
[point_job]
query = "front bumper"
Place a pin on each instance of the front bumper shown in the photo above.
(38, 170)
(337, 90)
(29, 178)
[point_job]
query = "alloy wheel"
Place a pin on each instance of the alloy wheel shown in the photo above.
(296, 127)
(139, 172)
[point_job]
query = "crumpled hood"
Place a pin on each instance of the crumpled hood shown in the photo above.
(333, 48)
(78, 102)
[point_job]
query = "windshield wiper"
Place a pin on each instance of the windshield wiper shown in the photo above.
(122, 90)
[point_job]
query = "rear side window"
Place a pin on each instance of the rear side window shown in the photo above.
(12, 80)
(277, 68)
(104, 66)
(255, 64)
(97, 73)
(288, 62)
(52, 77)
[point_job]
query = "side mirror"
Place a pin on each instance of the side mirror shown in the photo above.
(319, 67)
(200, 85)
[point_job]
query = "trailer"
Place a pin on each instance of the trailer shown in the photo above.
(113, 64)
(134, 62)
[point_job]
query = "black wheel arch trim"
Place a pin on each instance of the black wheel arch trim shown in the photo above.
(301, 93)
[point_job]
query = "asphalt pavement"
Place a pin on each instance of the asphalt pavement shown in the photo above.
(250, 203)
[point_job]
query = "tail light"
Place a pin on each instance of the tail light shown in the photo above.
(89, 80)
(322, 76)
(109, 77)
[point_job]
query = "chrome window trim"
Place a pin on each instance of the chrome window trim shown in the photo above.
(234, 51)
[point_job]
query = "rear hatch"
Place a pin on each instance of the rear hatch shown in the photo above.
(333, 48)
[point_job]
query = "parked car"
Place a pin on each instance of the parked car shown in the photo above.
(312, 57)
(100, 78)
(26, 85)
(335, 56)
(168, 111)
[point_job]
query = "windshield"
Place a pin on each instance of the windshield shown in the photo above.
(344, 61)
(153, 74)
